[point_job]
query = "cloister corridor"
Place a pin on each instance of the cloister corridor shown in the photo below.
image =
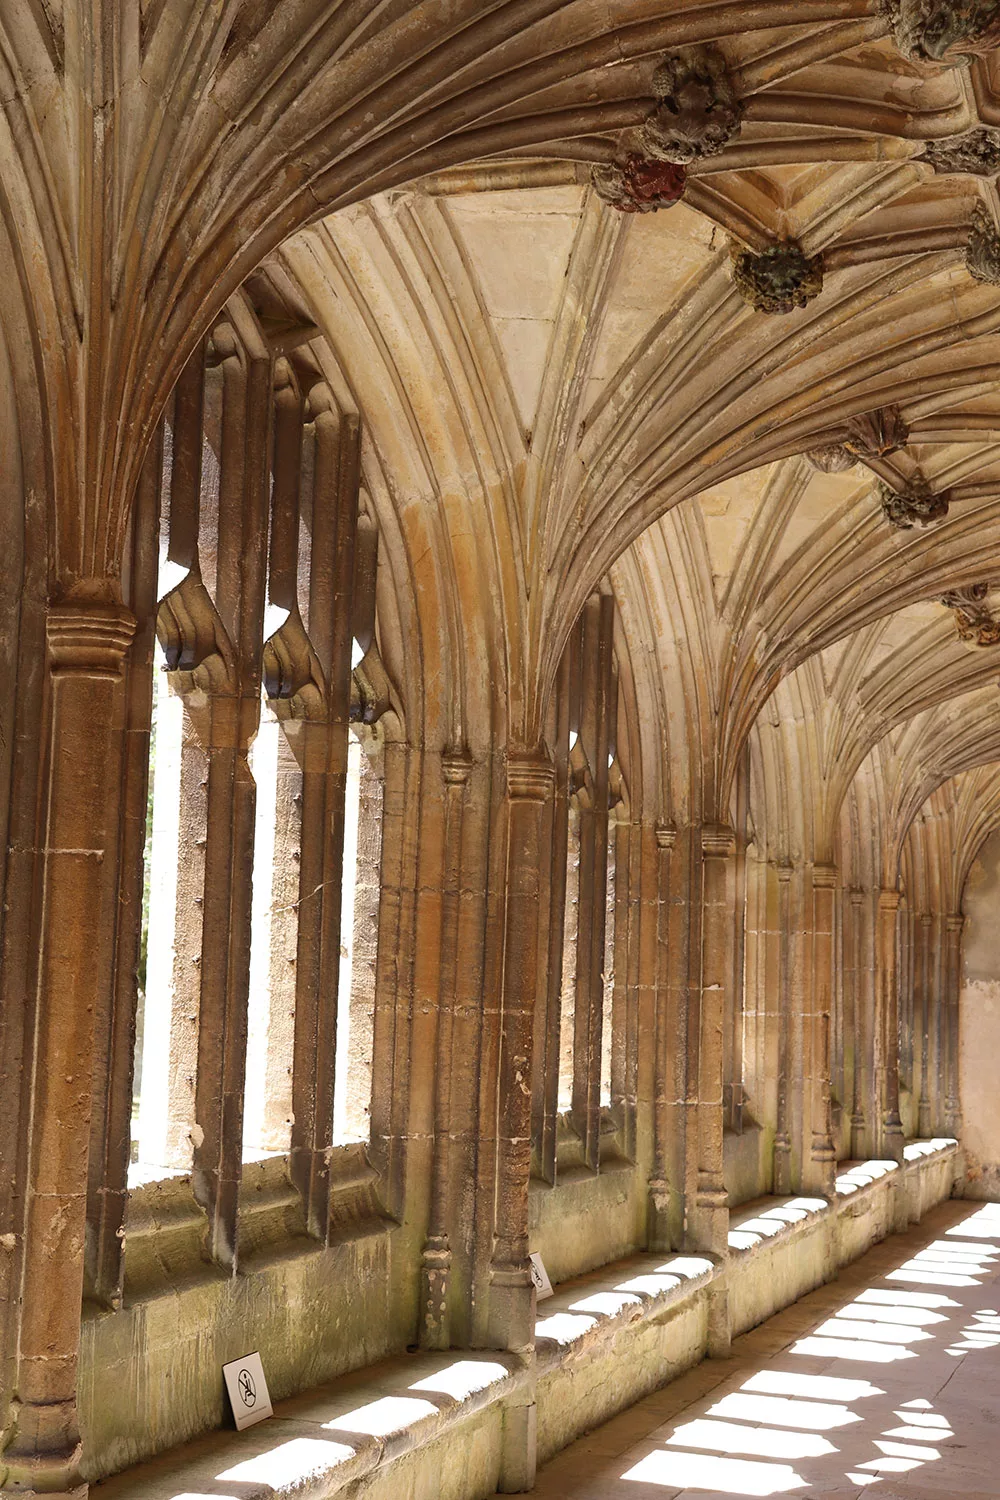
(885, 1380)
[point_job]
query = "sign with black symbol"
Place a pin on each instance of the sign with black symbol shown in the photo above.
(247, 1390)
(540, 1277)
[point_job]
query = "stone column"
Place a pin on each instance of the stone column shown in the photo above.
(819, 1159)
(87, 639)
(782, 1128)
(708, 1217)
(665, 1211)
(887, 1001)
(922, 967)
(512, 1295)
(953, 983)
(856, 1015)
(511, 1316)
(435, 1323)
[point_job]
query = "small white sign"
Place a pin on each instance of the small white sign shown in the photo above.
(540, 1277)
(247, 1390)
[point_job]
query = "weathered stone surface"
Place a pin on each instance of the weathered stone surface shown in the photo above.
(698, 112)
(944, 31)
(977, 153)
(779, 279)
(916, 505)
(639, 184)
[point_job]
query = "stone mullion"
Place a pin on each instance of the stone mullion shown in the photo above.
(18, 954)
(229, 725)
(939, 961)
(783, 1112)
(887, 1031)
(924, 923)
(954, 924)
(709, 1221)
(545, 1075)
(465, 970)
(511, 1295)
(595, 735)
(666, 1197)
(799, 939)
(855, 1016)
(115, 1043)
(325, 752)
(636, 918)
(401, 789)
(819, 1156)
(733, 1093)
(708, 1216)
(435, 1322)
(87, 640)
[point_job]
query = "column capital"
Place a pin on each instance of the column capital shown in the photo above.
(89, 636)
(888, 899)
(825, 877)
(718, 840)
(456, 765)
(530, 776)
(954, 922)
(666, 835)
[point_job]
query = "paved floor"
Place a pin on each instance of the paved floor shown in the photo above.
(886, 1382)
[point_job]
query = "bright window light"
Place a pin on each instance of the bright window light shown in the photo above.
(608, 1303)
(740, 1239)
(844, 1326)
(463, 1378)
(762, 1442)
(817, 1416)
(825, 1387)
(921, 1418)
(909, 1317)
(906, 1299)
(908, 1450)
(564, 1328)
(892, 1465)
(918, 1434)
(290, 1463)
(655, 1286)
(926, 1277)
(687, 1266)
(865, 1351)
(380, 1418)
(724, 1476)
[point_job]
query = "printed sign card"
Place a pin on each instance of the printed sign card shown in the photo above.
(539, 1275)
(247, 1390)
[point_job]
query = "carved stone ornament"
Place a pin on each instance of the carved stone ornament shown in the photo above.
(973, 616)
(778, 279)
(698, 112)
(977, 153)
(944, 31)
(917, 505)
(982, 249)
(638, 185)
(831, 458)
(873, 434)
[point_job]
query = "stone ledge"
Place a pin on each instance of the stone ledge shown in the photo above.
(646, 1316)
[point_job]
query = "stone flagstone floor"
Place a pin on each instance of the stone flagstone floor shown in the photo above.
(886, 1382)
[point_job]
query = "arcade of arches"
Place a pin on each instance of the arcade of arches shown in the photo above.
(499, 708)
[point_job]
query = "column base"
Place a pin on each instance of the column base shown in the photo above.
(435, 1276)
(510, 1322)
